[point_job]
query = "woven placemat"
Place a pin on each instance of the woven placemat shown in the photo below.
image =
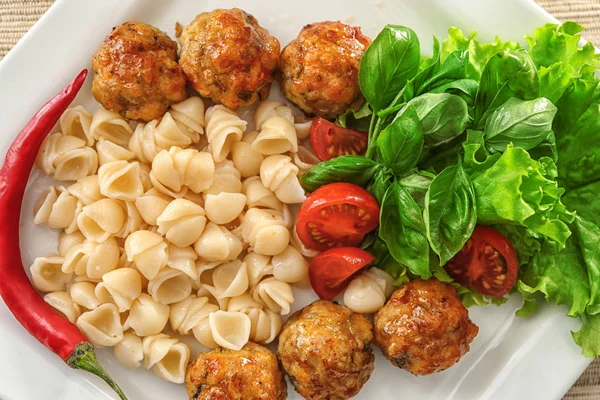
(17, 16)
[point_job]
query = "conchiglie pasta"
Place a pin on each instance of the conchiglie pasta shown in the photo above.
(257, 195)
(176, 170)
(258, 266)
(62, 302)
(110, 126)
(276, 136)
(120, 180)
(168, 134)
(230, 330)
(151, 204)
(226, 179)
(168, 357)
(109, 151)
(224, 207)
(83, 294)
(189, 115)
(211, 293)
(246, 160)
(133, 221)
(242, 302)
(147, 316)
(268, 109)
(148, 251)
(182, 222)
(57, 208)
(289, 265)
(86, 190)
(124, 286)
(189, 313)
(68, 240)
(217, 244)
(230, 279)
(280, 175)
(303, 127)
(47, 274)
(274, 294)
(169, 286)
(184, 260)
(101, 219)
(76, 121)
(304, 159)
(100, 258)
(223, 128)
(102, 326)
(129, 351)
(265, 325)
(67, 158)
(142, 142)
(368, 292)
(265, 233)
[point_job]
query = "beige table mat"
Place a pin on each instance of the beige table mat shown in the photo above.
(17, 16)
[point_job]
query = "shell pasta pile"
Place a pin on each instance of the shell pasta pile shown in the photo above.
(178, 226)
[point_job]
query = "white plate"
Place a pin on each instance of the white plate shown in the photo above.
(510, 359)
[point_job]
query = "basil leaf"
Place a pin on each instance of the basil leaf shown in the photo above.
(466, 89)
(453, 68)
(476, 158)
(380, 184)
(416, 185)
(510, 73)
(400, 143)
(403, 230)
(443, 116)
(358, 170)
(450, 212)
(522, 123)
(385, 261)
(389, 62)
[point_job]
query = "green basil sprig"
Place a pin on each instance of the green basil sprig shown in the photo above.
(401, 142)
(354, 169)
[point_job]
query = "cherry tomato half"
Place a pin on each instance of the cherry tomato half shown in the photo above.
(329, 140)
(487, 263)
(331, 271)
(336, 215)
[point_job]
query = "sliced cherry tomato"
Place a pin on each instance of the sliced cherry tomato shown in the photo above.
(336, 215)
(331, 271)
(487, 263)
(329, 140)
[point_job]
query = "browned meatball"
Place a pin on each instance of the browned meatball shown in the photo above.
(227, 56)
(325, 349)
(320, 68)
(424, 327)
(136, 72)
(249, 374)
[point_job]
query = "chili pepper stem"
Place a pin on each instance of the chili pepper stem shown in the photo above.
(83, 357)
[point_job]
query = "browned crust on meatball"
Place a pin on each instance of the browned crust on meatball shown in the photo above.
(228, 57)
(136, 72)
(250, 374)
(325, 349)
(320, 68)
(424, 328)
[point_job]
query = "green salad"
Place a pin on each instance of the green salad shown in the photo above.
(484, 134)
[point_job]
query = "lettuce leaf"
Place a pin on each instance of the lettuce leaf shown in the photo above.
(517, 190)
(479, 53)
(589, 336)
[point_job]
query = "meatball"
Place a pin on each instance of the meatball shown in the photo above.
(249, 374)
(320, 68)
(227, 56)
(325, 349)
(424, 327)
(136, 72)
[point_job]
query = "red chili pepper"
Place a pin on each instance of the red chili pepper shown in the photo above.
(28, 307)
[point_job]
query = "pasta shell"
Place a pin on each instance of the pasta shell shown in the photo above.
(289, 265)
(189, 114)
(196, 168)
(68, 240)
(367, 292)
(268, 109)
(217, 244)
(304, 159)
(257, 195)
(101, 257)
(168, 357)
(265, 325)
(75, 164)
(230, 330)
(168, 134)
(47, 274)
(258, 266)
(182, 222)
(203, 334)
(109, 151)
(276, 295)
(303, 127)
(242, 302)
(57, 208)
(211, 293)
(184, 260)
(226, 179)
(86, 190)
(146, 316)
(169, 286)
(129, 351)
(230, 279)
(265, 233)
(280, 175)
(102, 326)
(133, 222)
(110, 126)
(151, 205)
(224, 207)
(62, 302)
(188, 313)
(165, 177)
(120, 180)
(148, 251)
(101, 219)
(142, 142)
(246, 160)
(277, 136)
(124, 285)
(76, 121)
(83, 294)
(223, 128)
